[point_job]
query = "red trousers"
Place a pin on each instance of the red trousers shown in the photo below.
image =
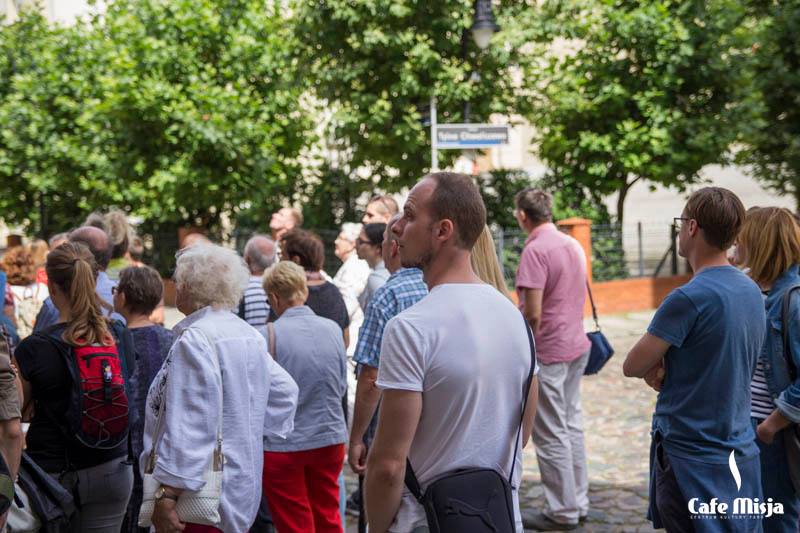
(302, 489)
(199, 528)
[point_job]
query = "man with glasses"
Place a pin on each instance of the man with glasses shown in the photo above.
(700, 352)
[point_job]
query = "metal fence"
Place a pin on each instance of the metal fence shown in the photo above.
(618, 252)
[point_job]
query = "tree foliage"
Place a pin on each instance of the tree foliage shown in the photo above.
(636, 91)
(375, 64)
(771, 135)
(177, 111)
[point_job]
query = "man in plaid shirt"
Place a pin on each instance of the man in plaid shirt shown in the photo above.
(403, 289)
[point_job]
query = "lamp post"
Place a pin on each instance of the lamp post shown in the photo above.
(483, 29)
(484, 25)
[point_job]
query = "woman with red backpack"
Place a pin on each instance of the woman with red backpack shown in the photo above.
(74, 376)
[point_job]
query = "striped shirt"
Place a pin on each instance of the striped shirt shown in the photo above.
(761, 404)
(256, 308)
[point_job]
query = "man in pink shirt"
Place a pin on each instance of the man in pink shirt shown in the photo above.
(551, 285)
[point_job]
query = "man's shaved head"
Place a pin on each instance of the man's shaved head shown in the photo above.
(97, 241)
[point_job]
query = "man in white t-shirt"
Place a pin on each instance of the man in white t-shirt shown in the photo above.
(453, 366)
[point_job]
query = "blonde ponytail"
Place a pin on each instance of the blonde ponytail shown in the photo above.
(71, 266)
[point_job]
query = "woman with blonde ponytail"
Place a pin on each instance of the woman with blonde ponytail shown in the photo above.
(56, 387)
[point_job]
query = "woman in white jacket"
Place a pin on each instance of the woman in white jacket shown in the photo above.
(216, 355)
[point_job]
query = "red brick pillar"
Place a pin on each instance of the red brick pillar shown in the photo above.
(13, 240)
(581, 230)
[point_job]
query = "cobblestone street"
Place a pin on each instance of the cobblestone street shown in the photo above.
(617, 415)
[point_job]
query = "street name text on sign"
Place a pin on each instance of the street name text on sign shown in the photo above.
(466, 136)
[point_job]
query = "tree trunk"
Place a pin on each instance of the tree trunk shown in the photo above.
(796, 194)
(623, 193)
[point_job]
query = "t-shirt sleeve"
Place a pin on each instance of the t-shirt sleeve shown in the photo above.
(25, 357)
(340, 310)
(532, 271)
(674, 319)
(403, 352)
(370, 336)
(9, 399)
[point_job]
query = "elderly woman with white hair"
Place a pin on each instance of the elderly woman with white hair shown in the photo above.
(216, 396)
(351, 278)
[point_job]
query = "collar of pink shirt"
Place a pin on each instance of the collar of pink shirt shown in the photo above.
(538, 230)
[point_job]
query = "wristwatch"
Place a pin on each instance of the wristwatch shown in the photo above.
(161, 493)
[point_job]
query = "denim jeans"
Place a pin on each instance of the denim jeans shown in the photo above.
(776, 484)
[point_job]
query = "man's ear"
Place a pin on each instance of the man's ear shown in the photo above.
(445, 230)
(395, 251)
(693, 227)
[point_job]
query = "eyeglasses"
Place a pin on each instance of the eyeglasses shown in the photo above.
(678, 221)
(360, 241)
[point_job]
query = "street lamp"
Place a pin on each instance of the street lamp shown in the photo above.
(484, 25)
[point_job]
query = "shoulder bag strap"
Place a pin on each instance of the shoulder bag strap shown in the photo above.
(787, 350)
(271, 339)
(594, 309)
(411, 480)
(524, 398)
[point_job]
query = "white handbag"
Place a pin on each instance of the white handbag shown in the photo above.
(200, 507)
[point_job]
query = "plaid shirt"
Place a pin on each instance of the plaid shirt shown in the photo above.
(403, 289)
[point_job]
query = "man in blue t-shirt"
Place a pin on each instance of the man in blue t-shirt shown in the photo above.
(700, 352)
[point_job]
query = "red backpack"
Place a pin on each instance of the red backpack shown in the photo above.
(98, 410)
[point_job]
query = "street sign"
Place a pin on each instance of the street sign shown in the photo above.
(466, 136)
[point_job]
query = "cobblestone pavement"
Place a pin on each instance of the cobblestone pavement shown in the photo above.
(617, 413)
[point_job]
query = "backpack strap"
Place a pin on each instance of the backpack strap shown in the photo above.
(787, 348)
(411, 480)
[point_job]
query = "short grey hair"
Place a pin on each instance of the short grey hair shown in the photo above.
(212, 275)
(536, 204)
(351, 230)
(254, 255)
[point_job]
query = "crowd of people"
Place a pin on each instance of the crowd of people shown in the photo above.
(237, 418)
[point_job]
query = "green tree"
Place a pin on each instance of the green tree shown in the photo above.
(377, 63)
(179, 112)
(45, 155)
(636, 91)
(772, 134)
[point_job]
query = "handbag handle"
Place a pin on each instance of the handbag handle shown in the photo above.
(411, 480)
(271, 339)
(218, 457)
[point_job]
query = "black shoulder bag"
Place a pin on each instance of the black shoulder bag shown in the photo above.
(472, 500)
(791, 434)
